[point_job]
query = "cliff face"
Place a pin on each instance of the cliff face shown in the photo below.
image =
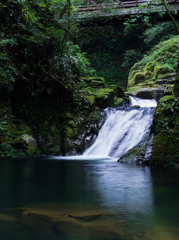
(157, 76)
(166, 129)
(55, 122)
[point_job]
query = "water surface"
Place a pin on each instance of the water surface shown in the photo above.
(53, 199)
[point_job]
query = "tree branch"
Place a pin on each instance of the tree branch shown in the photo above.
(172, 18)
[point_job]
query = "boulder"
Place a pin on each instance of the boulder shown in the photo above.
(165, 150)
(95, 82)
(131, 155)
(26, 142)
(149, 93)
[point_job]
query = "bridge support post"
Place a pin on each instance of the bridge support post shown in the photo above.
(88, 4)
(136, 2)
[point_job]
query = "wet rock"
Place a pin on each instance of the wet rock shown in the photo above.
(130, 156)
(141, 152)
(25, 142)
(168, 90)
(86, 218)
(135, 107)
(149, 93)
(148, 149)
(165, 150)
(103, 233)
(65, 221)
(94, 82)
(70, 230)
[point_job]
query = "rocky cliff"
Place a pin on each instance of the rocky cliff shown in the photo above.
(157, 76)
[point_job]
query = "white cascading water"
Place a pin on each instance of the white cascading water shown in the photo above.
(123, 129)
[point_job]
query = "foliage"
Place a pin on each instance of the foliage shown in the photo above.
(159, 32)
(165, 53)
(35, 46)
(106, 46)
(171, 108)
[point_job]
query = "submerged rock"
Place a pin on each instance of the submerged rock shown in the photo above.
(64, 221)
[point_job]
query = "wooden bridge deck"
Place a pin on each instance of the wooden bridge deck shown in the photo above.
(93, 10)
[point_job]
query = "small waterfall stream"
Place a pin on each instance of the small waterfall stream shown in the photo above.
(123, 129)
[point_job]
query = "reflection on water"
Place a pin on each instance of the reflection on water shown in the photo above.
(89, 200)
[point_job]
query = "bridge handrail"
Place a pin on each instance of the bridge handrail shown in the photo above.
(117, 4)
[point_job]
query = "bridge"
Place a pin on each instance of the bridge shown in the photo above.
(93, 10)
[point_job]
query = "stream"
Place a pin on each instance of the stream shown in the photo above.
(92, 197)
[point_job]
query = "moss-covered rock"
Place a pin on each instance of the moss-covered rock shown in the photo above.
(149, 66)
(148, 93)
(160, 70)
(168, 90)
(131, 155)
(118, 101)
(97, 92)
(165, 148)
(94, 82)
(166, 132)
(136, 78)
(55, 122)
(26, 142)
(163, 108)
(157, 68)
(176, 86)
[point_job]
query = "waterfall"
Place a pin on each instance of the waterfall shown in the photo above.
(123, 129)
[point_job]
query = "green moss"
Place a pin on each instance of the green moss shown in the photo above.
(176, 127)
(32, 150)
(71, 123)
(176, 86)
(165, 52)
(93, 82)
(161, 112)
(90, 99)
(130, 155)
(161, 60)
(102, 93)
(163, 69)
(165, 148)
(148, 75)
(98, 95)
(117, 101)
(168, 90)
(135, 79)
(55, 150)
(69, 132)
(149, 66)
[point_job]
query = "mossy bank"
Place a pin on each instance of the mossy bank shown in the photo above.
(55, 123)
(156, 72)
(157, 76)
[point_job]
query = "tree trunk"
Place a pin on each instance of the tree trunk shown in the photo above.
(172, 18)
